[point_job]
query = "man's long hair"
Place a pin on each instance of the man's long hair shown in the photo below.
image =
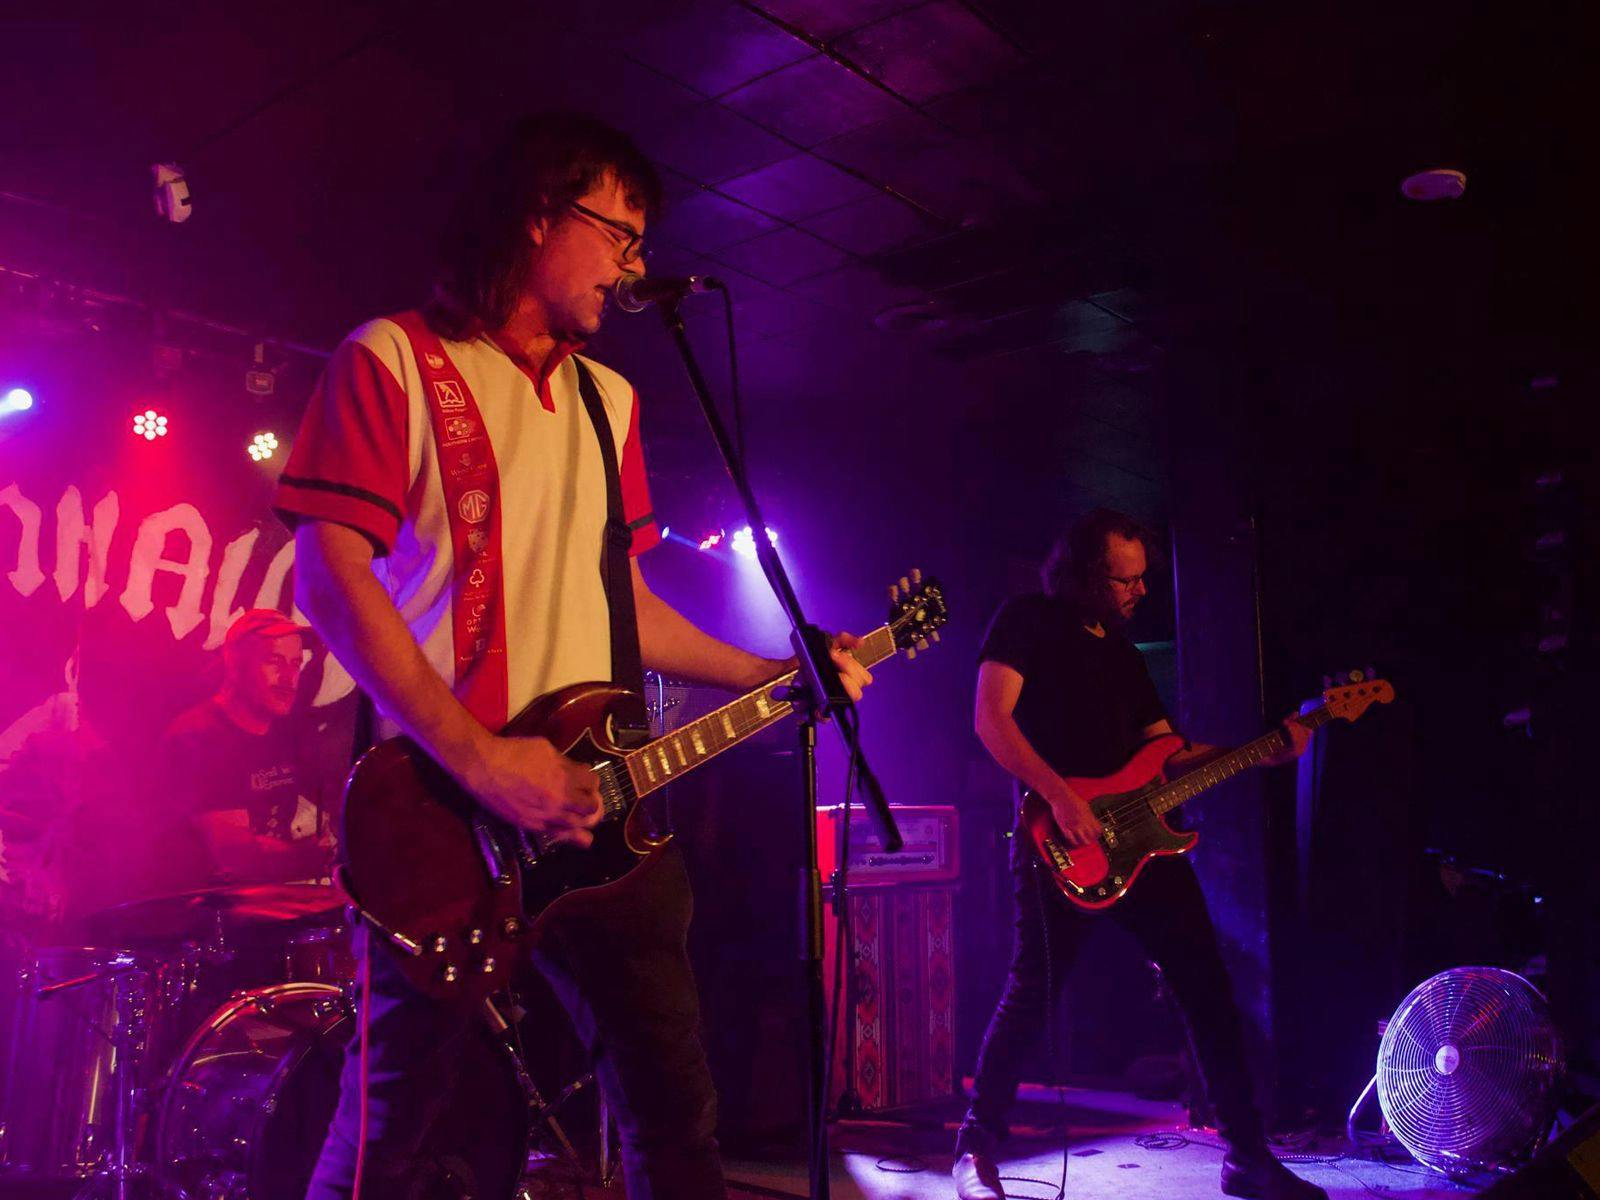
(544, 163)
(1069, 566)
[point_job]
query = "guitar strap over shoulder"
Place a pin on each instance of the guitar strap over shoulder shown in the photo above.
(616, 572)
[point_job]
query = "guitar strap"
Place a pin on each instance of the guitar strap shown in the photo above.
(616, 572)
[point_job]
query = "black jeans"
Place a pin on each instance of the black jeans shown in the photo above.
(1167, 913)
(622, 972)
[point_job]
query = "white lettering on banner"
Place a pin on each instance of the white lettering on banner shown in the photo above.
(149, 556)
(26, 575)
(223, 613)
(73, 536)
(76, 539)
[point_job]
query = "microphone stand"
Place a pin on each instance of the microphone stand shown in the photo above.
(818, 696)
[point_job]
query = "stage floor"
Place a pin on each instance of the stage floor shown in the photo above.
(1123, 1148)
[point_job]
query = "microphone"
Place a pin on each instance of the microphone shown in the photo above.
(635, 293)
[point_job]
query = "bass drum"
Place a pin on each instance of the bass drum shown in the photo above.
(249, 1103)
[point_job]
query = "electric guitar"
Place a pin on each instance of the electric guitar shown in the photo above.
(461, 894)
(1132, 802)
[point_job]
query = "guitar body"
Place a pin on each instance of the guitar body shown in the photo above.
(1098, 875)
(460, 896)
(434, 870)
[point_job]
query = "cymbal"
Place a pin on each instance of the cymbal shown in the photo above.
(196, 914)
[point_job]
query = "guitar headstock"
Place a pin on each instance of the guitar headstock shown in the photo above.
(1349, 695)
(916, 610)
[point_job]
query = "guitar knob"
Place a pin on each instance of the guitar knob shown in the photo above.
(475, 937)
(488, 966)
(450, 974)
(511, 927)
(438, 943)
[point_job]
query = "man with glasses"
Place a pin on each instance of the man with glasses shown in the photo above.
(450, 494)
(1062, 693)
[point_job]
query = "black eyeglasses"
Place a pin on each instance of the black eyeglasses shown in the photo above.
(1127, 581)
(630, 239)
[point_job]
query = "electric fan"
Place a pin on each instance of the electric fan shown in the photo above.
(1468, 1070)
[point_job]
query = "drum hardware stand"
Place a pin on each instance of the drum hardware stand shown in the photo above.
(128, 1037)
(539, 1111)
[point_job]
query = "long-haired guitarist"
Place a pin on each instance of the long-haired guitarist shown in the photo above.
(1063, 694)
(455, 533)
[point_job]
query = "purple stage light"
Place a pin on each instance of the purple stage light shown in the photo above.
(711, 540)
(744, 541)
(262, 446)
(16, 400)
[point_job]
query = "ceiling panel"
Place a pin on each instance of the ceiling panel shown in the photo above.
(783, 256)
(929, 51)
(827, 19)
(872, 226)
(812, 101)
(710, 144)
(799, 186)
(707, 222)
(856, 290)
(712, 46)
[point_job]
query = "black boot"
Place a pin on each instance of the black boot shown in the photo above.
(1256, 1174)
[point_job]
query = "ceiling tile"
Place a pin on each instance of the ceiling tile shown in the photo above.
(799, 186)
(931, 50)
(872, 226)
(857, 290)
(712, 45)
(707, 222)
(827, 19)
(709, 143)
(783, 256)
(812, 100)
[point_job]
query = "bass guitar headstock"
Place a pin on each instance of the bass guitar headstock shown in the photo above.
(1349, 695)
(916, 611)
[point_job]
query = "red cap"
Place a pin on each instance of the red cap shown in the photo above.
(262, 622)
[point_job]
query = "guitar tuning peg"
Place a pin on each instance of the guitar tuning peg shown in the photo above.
(916, 574)
(894, 592)
(922, 643)
(905, 584)
(1372, 671)
(911, 652)
(1356, 677)
(934, 635)
(1327, 682)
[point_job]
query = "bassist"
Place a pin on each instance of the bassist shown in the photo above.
(1062, 693)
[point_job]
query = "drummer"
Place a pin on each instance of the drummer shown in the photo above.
(234, 769)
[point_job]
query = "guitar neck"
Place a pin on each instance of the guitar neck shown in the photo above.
(1218, 770)
(658, 762)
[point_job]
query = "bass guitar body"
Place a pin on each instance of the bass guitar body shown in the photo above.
(1100, 873)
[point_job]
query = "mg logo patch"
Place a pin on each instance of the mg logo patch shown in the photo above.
(474, 506)
(448, 393)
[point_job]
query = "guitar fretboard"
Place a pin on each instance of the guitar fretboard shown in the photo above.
(1218, 770)
(664, 759)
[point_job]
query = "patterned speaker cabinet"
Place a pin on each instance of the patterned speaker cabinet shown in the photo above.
(899, 996)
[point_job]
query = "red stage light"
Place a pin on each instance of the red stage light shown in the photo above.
(149, 425)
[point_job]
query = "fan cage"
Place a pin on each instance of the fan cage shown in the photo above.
(1469, 1070)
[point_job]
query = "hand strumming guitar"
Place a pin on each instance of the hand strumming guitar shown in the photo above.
(530, 783)
(1076, 820)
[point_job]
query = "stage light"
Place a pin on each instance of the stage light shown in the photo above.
(666, 531)
(15, 401)
(711, 540)
(149, 425)
(262, 446)
(744, 541)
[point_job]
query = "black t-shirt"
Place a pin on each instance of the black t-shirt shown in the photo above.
(1085, 700)
(211, 765)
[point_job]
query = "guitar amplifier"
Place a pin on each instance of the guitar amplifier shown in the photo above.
(899, 997)
(931, 854)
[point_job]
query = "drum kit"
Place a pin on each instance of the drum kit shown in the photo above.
(199, 1059)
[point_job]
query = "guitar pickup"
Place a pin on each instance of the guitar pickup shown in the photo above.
(489, 849)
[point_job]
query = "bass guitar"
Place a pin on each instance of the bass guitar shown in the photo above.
(461, 894)
(1132, 802)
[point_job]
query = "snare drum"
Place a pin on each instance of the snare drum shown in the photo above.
(60, 1109)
